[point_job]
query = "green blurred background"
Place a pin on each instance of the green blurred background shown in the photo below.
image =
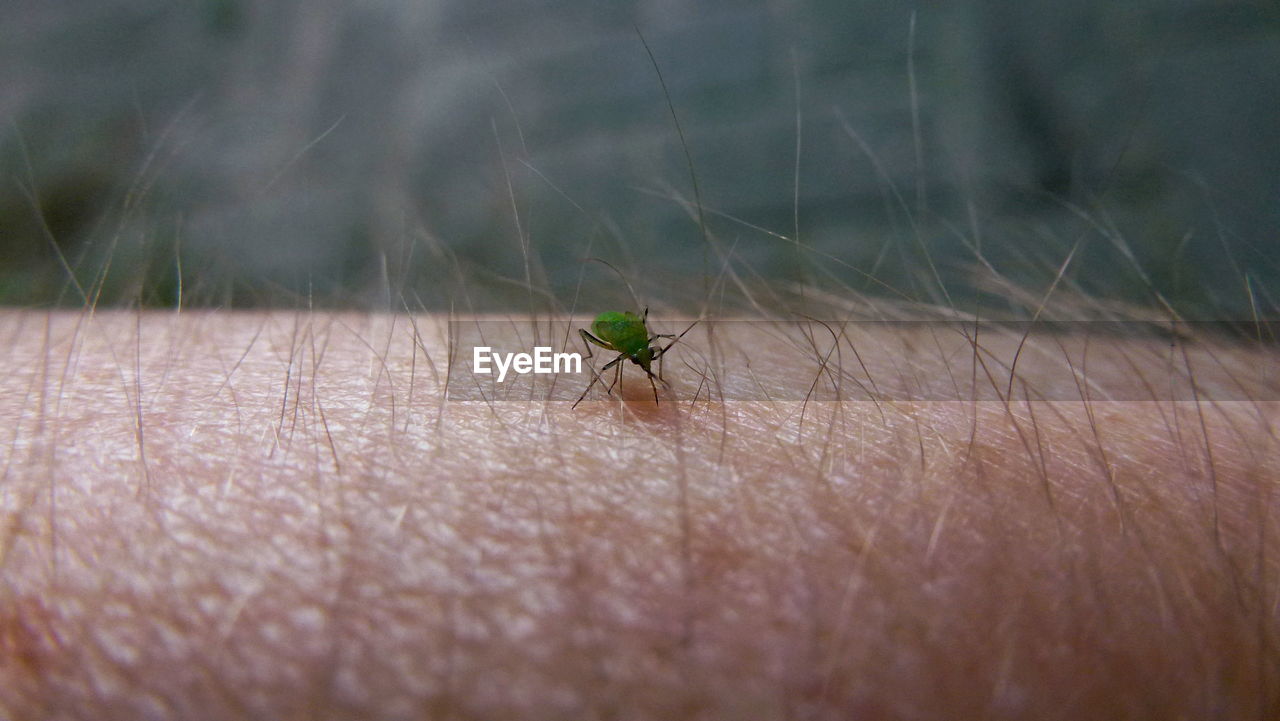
(453, 154)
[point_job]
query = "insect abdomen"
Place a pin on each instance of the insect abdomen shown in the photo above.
(626, 332)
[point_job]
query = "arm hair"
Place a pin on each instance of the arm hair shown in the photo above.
(278, 515)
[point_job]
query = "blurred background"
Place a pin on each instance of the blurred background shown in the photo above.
(454, 154)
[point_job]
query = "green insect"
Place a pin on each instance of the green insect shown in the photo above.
(626, 334)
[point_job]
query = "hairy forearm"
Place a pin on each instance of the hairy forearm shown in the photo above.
(276, 515)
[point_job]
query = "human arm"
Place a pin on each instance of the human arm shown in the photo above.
(220, 515)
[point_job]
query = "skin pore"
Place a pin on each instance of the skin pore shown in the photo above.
(280, 515)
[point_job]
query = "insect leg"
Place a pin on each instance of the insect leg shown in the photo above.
(599, 377)
(654, 387)
(595, 377)
(657, 355)
(587, 341)
(617, 378)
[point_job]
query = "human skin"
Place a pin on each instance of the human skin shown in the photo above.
(281, 515)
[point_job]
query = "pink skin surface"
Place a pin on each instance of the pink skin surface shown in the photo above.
(280, 515)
